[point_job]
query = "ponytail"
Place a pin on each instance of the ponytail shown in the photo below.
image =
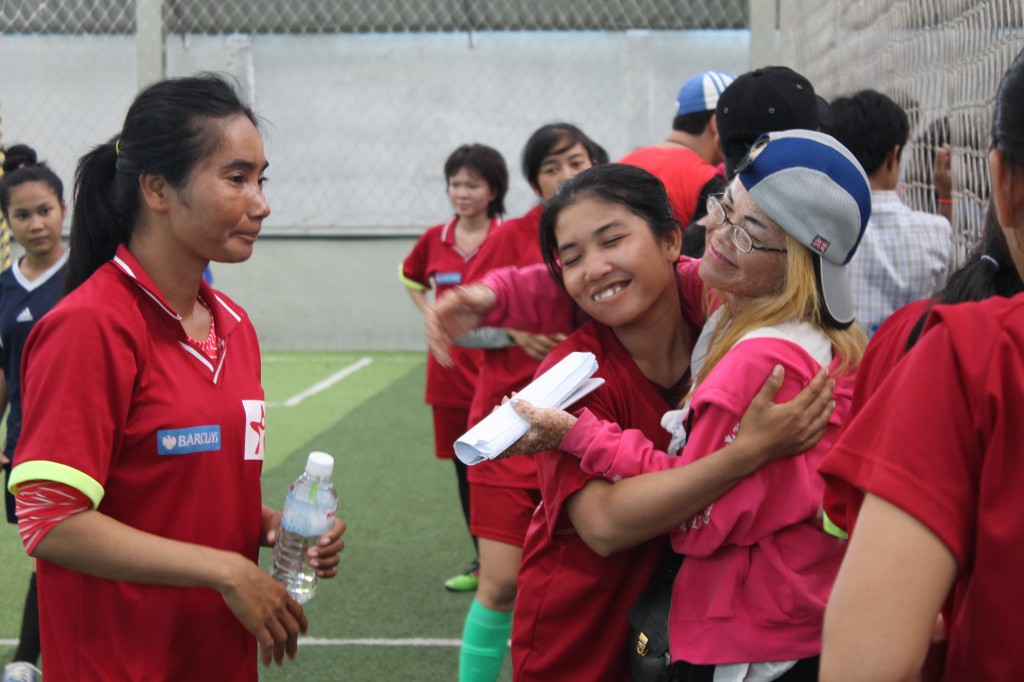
(987, 272)
(98, 225)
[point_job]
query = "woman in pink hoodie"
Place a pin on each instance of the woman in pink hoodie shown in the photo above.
(750, 595)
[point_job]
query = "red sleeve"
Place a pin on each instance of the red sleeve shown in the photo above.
(102, 351)
(918, 441)
(416, 264)
(886, 348)
(41, 506)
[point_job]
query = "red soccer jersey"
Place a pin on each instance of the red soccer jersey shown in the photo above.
(941, 439)
(118, 405)
(503, 370)
(683, 172)
(570, 616)
(437, 261)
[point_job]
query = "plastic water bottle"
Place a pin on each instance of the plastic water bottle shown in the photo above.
(308, 513)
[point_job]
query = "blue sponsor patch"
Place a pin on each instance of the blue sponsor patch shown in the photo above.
(444, 279)
(185, 441)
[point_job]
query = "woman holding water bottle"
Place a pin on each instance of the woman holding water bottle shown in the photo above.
(137, 476)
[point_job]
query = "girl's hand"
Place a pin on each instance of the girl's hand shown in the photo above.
(942, 174)
(548, 427)
(263, 606)
(537, 346)
(324, 557)
(271, 527)
(773, 431)
(456, 312)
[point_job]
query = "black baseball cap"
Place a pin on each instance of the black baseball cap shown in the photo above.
(765, 100)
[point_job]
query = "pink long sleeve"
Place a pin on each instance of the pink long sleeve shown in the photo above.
(606, 449)
(531, 301)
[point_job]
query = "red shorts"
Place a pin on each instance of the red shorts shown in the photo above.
(449, 425)
(501, 514)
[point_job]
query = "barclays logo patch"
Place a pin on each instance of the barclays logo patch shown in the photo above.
(448, 278)
(186, 441)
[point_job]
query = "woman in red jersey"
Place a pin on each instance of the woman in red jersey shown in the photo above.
(137, 476)
(937, 450)
(444, 255)
(504, 494)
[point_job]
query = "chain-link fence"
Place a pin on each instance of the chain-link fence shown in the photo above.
(364, 99)
(941, 60)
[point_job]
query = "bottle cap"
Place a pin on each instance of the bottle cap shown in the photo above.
(319, 464)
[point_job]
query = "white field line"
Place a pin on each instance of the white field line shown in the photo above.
(316, 641)
(416, 641)
(271, 357)
(321, 386)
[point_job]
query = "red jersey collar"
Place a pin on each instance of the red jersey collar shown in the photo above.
(226, 317)
(448, 233)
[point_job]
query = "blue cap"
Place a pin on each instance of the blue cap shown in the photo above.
(701, 92)
(815, 190)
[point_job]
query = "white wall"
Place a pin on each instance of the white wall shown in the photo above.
(358, 130)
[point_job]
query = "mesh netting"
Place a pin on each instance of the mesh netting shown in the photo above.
(941, 61)
(365, 99)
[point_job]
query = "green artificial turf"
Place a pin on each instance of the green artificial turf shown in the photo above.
(405, 528)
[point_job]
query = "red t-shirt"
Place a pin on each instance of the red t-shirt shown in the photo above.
(885, 349)
(570, 617)
(503, 370)
(683, 172)
(941, 439)
(437, 261)
(118, 405)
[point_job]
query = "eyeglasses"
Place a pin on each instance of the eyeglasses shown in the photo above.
(739, 235)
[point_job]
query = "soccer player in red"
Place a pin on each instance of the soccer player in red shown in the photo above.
(137, 473)
(504, 494)
(477, 181)
(937, 450)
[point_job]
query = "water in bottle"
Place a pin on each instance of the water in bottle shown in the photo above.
(308, 513)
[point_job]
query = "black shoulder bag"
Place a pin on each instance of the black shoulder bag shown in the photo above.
(650, 660)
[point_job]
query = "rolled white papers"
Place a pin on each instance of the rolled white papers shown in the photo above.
(560, 386)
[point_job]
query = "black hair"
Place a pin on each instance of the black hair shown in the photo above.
(869, 124)
(486, 162)
(21, 165)
(989, 271)
(693, 123)
(633, 188)
(168, 130)
(555, 138)
(1007, 129)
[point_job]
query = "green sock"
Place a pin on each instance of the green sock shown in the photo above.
(484, 641)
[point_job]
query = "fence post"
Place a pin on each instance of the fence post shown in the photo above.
(151, 63)
(764, 17)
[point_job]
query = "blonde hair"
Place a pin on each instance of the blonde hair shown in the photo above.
(796, 300)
